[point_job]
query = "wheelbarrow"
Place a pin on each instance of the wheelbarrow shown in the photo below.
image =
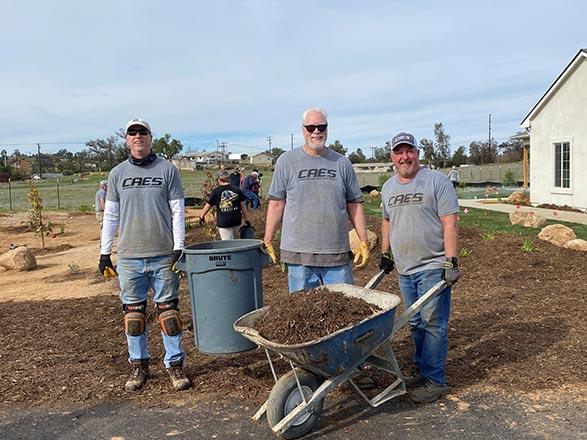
(317, 367)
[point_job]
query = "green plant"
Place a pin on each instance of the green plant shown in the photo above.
(62, 228)
(464, 252)
(36, 214)
(509, 179)
(382, 179)
(529, 246)
(85, 208)
(73, 268)
(488, 235)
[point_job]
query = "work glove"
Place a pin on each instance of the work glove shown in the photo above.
(106, 267)
(387, 263)
(248, 223)
(451, 271)
(270, 250)
(176, 256)
(361, 253)
(201, 221)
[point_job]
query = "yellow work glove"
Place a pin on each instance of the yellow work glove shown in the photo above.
(268, 247)
(361, 253)
(109, 273)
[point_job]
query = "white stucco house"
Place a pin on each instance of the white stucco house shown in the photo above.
(557, 125)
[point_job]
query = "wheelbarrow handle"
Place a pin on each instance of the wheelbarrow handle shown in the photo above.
(375, 280)
(418, 305)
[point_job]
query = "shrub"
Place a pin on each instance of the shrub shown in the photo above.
(509, 179)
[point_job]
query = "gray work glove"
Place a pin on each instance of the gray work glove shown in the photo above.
(451, 271)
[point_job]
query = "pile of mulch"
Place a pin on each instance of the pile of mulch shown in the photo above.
(518, 324)
(309, 315)
(558, 207)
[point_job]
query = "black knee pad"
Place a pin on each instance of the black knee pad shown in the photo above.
(169, 319)
(134, 318)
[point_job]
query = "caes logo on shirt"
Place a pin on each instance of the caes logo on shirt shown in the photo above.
(405, 199)
(141, 182)
(317, 173)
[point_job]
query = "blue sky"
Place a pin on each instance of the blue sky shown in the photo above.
(240, 71)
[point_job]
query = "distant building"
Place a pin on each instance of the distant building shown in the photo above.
(191, 161)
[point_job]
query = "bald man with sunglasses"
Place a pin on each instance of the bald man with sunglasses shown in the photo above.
(314, 193)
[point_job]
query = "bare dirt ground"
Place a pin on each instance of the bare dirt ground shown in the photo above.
(518, 324)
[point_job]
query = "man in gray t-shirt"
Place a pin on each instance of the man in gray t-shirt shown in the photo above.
(145, 204)
(100, 201)
(420, 227)
(314, 192)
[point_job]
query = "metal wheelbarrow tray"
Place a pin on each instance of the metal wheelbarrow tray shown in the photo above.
(296, 400)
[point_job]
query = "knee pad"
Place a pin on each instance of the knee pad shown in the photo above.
(134, 318)
(169, 319)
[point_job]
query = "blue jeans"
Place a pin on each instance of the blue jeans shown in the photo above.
(135, 276)
(307, 277)
(252, 198)
(429, 327)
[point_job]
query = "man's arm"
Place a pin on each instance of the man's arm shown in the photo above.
(178, 223)
(357, 217)
(450, 232)
(385, 229)
(274, 215)
(109, 227)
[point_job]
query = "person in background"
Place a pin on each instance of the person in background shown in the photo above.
(235, 178)
(419, 227)
(229, 202)
(145, 203)
(313, 194)
(257, 189)
(100, 201)
(250, 188)
(454, 176)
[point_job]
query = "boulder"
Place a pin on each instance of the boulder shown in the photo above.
(557, 234)
(354, 239)
(527, 219)
(374, 193)
(519, 198)
(577, 244)
(20, 258)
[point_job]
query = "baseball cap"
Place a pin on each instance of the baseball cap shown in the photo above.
(403, 138)
(137, 121)
(222, 174)
(103, 182)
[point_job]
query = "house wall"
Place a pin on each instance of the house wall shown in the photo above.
(260, 159)
(562, 119)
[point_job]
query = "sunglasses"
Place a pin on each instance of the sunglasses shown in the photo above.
(134, 132)
(321, 128)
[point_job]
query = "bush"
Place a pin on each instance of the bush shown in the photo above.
(509, 179)
(382, 179)
(85, 208)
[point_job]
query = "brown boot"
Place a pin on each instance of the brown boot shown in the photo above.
(178, 377)
(139, 375)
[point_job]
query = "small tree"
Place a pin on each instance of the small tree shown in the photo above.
(36, 214)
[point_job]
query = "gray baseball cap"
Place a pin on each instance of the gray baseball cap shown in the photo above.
(222, 174)
(403, 138)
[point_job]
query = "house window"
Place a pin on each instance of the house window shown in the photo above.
(562, 165)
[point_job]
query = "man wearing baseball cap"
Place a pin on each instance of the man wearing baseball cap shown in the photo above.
(145, 204)
(100, 201)
(419, 226)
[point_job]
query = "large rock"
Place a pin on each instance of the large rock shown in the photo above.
(557, 234)
(527, 219)
(20, 259)
(373, 194)
(519, 198)
(577, 244)
(354, 239)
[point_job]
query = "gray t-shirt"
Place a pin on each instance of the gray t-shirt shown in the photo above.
(145, 222)
(414, 210)
(100, 195)
(316, 190)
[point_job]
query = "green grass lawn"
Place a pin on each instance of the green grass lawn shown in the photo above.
(492, 222)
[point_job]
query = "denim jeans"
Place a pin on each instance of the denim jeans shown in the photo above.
(429, 327)
(135, 276)
(307, 277)
(252, 198)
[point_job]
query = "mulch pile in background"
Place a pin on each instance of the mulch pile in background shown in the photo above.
(518, 323)
(559, 207)
(309, 315)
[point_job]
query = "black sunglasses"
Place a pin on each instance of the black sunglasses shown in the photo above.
(321, 128)
(141, 131)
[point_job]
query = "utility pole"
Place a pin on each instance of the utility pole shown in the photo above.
(292, 141)
(489, 139)
(39, 160)
(269, 139)
(373, 152)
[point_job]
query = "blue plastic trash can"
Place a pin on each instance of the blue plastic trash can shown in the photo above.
(224, 280)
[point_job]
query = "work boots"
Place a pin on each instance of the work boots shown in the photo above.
(178, 377)
(139, 375)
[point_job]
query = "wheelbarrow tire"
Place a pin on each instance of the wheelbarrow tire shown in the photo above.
(285, 396)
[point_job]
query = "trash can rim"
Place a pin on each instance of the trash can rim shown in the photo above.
(239, 245)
